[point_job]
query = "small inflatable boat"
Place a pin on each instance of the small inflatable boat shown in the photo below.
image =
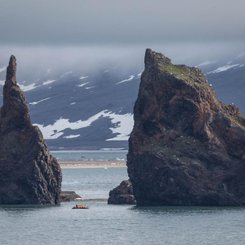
(80, 206)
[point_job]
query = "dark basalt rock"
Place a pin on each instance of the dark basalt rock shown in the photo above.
(186, 147)
(28, 173)
(67, 196)
(123, 194)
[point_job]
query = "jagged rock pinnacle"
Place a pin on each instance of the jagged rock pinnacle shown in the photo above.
(28, 172)
(153, 58)
(15, 112)
(186, 147)
(11, 70)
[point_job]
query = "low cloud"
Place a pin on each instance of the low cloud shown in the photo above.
(36, 61)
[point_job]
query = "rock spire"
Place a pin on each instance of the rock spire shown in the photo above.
(186, 147)
(28, 173)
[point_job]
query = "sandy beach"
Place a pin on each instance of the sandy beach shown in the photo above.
(92, 164)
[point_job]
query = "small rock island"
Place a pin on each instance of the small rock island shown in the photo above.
(186, 147)
(122, 194)
(28, 173)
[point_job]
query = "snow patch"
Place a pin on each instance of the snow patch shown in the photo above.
(48, 82)
(82, 84)
(206, 63)
(27, 87)
(123, 125)
(37, 102)
(72, 136)
(81, 78)
(90, 87)
(224, 68)
(22, 86)
(72, 103)
(53, 131)
(126, 80)
(66, 73)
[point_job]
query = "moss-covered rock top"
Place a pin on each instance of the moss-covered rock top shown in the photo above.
(192, 75)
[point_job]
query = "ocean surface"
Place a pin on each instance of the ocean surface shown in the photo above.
(96, 155)
(115, 224)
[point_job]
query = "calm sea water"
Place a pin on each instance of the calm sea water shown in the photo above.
(111, 224)
(105, 155)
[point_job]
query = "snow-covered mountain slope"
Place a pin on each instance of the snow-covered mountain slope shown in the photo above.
(91, 110)
(228, 80)
(77, 110)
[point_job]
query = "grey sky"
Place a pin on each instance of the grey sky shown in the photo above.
(113, 22)
(89, 33)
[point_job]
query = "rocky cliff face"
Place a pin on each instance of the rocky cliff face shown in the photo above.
(186, 147)
(28, 173)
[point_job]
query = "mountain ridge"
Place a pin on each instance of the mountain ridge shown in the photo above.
(76, 97)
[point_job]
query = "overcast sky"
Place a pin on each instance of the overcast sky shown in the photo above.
(179, 28)
(126, 22)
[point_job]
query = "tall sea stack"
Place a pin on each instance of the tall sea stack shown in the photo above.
(28, 173)
(186, 147)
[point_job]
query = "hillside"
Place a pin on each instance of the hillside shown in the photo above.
(88, 110)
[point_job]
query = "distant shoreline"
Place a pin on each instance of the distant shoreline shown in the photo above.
(92, 164)
(54, 150)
